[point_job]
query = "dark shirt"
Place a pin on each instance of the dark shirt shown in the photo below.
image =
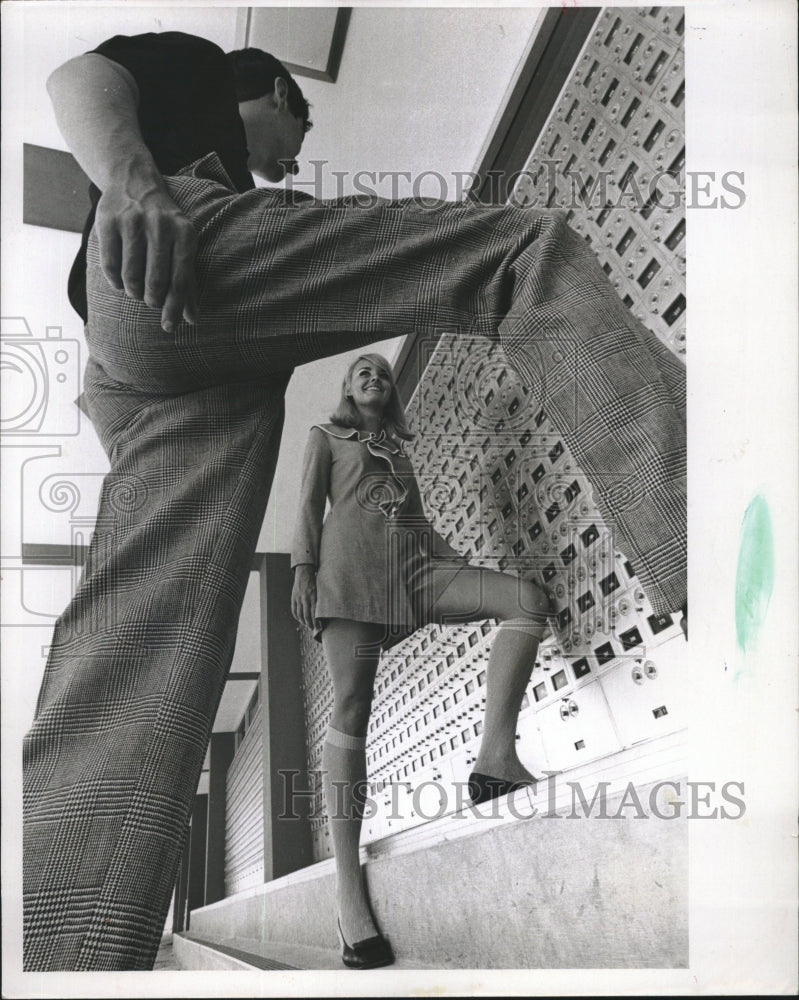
(187, 108)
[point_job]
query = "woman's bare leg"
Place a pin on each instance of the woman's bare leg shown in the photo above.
(352, 671)
(521, 608)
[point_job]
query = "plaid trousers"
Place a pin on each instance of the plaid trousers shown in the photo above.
(191, 422)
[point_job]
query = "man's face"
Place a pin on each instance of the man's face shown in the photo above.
(274, 135)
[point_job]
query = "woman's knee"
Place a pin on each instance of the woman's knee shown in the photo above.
(353, 675)
(352, 708)
(530, 602)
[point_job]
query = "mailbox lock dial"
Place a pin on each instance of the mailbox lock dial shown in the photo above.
(568, 709)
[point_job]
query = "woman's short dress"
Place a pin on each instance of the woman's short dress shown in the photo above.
(377, 557)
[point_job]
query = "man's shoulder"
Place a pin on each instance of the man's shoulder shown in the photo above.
(169, 44)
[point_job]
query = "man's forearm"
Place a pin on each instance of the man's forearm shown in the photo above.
(96, 107)
(147, 246)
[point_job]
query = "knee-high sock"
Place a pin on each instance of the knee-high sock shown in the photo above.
(344, 778)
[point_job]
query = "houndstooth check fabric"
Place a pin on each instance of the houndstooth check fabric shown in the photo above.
(137, 666)
(192, 422)
(289, 280)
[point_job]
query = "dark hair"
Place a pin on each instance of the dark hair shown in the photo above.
(254, 75)
(347, 415)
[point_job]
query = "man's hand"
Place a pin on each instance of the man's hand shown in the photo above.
(303, 594)
(147, 249)
(147, 245)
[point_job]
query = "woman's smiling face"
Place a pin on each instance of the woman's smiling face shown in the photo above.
(370, 385)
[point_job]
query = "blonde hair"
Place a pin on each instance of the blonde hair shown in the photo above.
(346, 413)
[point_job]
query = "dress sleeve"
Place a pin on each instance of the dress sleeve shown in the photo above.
(313, 494)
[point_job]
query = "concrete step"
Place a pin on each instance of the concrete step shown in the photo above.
(165, 960)
(194, 953)
(525, 882)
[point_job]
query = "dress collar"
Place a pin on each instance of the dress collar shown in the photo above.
(384, 441)
(394, 491)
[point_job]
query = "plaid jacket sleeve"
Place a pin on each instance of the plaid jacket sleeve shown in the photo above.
(313, 493)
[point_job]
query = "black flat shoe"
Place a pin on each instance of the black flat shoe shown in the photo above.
(483, 788)
(371, 953)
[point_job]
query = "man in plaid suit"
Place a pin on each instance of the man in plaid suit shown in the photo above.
(190, 412)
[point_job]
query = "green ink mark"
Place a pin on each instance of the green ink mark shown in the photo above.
(754, 580)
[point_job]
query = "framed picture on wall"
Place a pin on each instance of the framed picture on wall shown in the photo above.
(308, 40)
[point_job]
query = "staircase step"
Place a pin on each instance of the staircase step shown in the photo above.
(195, 952)
(524, 887)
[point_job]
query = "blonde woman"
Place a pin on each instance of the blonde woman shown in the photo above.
(369, 574)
